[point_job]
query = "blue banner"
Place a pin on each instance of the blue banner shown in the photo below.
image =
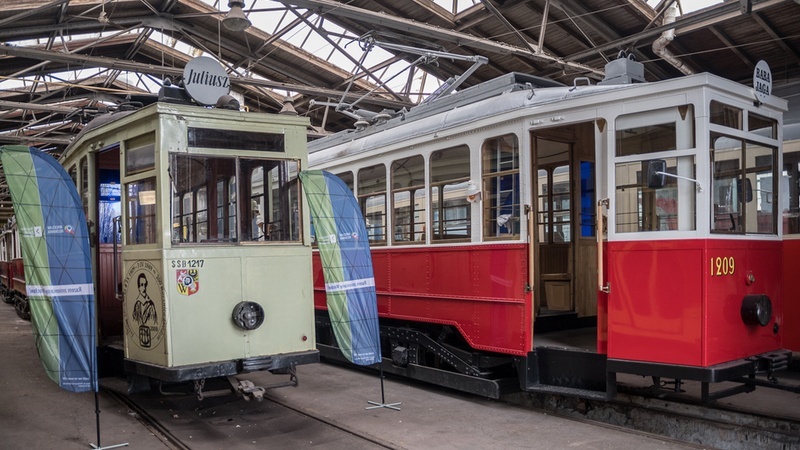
(58, 271)
(347, 266)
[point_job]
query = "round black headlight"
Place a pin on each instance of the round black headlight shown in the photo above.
(248, 315)
(756, 310)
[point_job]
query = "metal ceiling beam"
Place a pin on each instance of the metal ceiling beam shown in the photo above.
(730, 45)
(533, 48)
(46, 140)
(328, 7)
(777, 39)
(685, 24)
(111, 63)
(358, 64)
(32, 11)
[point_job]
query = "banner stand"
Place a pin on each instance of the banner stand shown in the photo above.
(383, 403)
(97, 416)
(97, 410)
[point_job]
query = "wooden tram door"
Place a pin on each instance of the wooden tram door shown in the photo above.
(564, 235)
(103, 235)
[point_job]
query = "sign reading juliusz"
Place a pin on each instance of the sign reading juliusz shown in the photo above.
(205, 80)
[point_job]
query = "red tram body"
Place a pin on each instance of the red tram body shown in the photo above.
(516, 234)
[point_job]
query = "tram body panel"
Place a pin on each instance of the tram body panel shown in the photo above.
(691, 316)
(791, 293)
(474, 288)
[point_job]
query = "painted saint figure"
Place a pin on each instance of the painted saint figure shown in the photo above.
(144, 311)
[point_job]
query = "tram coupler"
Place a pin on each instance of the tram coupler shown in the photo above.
(249, 391)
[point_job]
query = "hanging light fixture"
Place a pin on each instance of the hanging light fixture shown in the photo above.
(236, 20)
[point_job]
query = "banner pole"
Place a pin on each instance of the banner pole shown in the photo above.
(383, 403)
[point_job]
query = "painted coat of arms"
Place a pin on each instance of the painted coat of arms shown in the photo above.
(188, 281)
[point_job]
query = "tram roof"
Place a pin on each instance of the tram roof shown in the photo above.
(504, 95)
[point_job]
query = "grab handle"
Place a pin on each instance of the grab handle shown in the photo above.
(602, 287)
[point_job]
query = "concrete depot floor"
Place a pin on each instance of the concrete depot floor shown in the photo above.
(36, 414)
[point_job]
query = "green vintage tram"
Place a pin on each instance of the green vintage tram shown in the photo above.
(200, 241)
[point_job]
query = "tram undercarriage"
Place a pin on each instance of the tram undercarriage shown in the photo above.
(433, 355)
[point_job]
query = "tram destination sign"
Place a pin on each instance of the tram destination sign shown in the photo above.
(205, 80)
(762, 81)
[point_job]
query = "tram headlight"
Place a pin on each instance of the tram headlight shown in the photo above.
(248, 315)
(756, 310)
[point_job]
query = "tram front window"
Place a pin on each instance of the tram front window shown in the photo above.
(641, 208)
(205, 207)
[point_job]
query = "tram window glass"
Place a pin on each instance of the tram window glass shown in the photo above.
(553, 218)
(744, 185)
(372, 199)
(655, 131)
(347, 177)
(187, 218)
(225, 208)
(588, 210)
(141, 205)
(450, 210)
(140, 159)
(726, 115)
(108, 205)
(232, 208)
(204, 199)
(640, 208)
(790, 206)
(273, 198)
(202, 213)
(84, 173)
(763, 126)
(501, 213)
(409, 200)
(235, 140)
(646, 139)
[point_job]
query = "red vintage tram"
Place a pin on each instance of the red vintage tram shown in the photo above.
(493, 259)
(12, 271)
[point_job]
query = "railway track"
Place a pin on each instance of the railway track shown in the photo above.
(738, 422)
(183, 423)
(764, 419)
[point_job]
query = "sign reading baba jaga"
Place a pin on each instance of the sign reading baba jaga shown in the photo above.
(205, 80)
(762, 81)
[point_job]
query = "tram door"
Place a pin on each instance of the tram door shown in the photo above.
(106, 242)
(565, 266)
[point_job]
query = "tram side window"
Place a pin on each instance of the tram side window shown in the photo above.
(141, 202)
(372, 199)
(641, 208)
(744, 184)
(347, 178)
(409, 200)
(790, 206)
(501, 214)
(450, 210)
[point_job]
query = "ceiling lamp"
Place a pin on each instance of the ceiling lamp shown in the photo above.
(236, 20)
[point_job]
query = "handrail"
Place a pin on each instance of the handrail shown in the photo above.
(531, 243)
(116, 222)
(599, 233)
